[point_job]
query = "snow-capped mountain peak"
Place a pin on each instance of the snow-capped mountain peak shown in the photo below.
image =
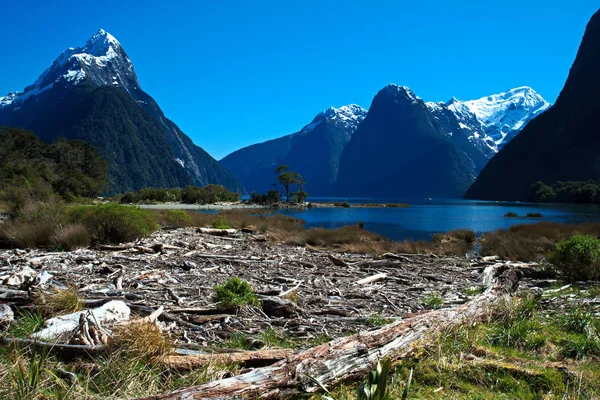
(504, 114)
(101, 60)
(348, 116)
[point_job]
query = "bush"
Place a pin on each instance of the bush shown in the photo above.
(577, 258)
(128, 198)
(221, 223)
(234, 293)
(178, 219)
(534, 215)
(114, 223)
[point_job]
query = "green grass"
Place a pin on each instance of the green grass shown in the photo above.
(522, 352)
(377, 320)
(432, 300)
(25, 324)
(274, 338)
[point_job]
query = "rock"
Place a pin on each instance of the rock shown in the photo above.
(278, 307)
(22, 278)
(6, 315)
(57, 327)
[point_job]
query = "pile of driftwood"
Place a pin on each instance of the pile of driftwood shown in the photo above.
(305, 293)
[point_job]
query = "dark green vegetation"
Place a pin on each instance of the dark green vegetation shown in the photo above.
(31, 170)
(235, 292)
(126, 136)
(59, 227)
(272, 197)
(398, 151)
(525, 349)
(577, 258)
(188, 195)
(566, 192)
(562, 144)
(292, 184)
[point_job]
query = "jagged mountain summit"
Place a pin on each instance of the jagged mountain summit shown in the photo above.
(92, 93)
(401, 149)
(314, 152)
(561, 144)
(503, 115)
(496, 119)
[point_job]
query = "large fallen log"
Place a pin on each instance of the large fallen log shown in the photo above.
(245, 358)
(349, 357)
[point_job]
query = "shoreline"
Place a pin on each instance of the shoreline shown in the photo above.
(248, 206)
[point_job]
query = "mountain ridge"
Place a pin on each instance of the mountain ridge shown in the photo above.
(102, 62)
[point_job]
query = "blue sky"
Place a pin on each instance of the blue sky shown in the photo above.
(233, 73)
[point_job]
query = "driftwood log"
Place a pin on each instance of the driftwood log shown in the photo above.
(245, 358)
(347, 357)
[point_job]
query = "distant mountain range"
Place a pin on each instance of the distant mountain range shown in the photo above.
(314, 151)
(401, 147)
(562, 144)
(92, 93)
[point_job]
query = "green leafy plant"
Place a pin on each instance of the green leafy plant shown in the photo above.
(235, 293)
(577, 258)
(27, 379)
(114, 223)
(432, 300)
(221, 223)
(26, 324)
(178, 219)
(375, 388)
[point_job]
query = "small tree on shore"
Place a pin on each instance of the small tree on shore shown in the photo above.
(287, 179)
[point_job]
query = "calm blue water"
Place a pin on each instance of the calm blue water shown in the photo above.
(424, 218)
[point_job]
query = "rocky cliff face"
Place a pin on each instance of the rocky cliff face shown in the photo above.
(561, 144)
(399, 150)
(103, 63)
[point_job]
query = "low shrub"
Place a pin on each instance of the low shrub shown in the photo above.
(114, 223)
(128, 198)
(577, 258)
(235, 293)
(432, 300)
(221, 223)
(534, 215)
(177, 219)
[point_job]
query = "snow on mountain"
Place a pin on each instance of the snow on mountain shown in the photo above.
(503, 115)
(101, 59)
(347, 117)
(496, 119)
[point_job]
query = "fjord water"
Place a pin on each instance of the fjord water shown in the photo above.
(424, 218)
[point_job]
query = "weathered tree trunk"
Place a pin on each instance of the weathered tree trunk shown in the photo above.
(348, 357)
(245, 358)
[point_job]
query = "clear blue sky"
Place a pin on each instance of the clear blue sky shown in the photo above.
(233, 73)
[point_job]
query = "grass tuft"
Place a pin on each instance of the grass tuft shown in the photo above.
(61, 302)
(141, 339)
